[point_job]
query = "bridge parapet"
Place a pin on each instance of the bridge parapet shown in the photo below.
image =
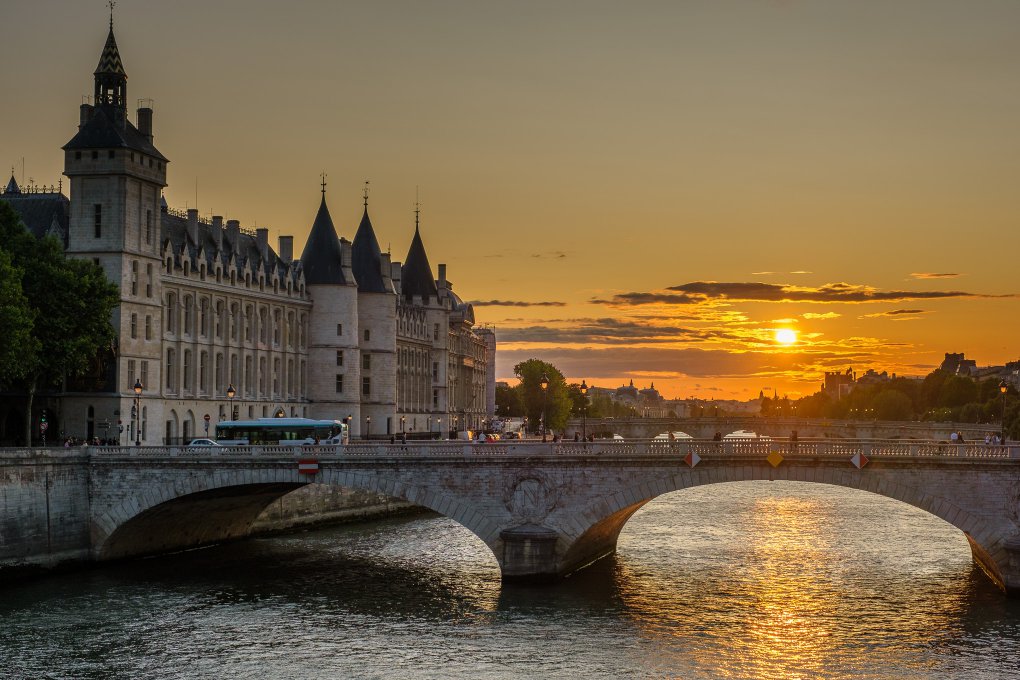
(758, 448)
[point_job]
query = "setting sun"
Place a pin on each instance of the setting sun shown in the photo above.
(786, 336)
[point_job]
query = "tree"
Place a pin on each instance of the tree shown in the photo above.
(71, 300)
(892, 405)
(16, 320)
(554, 402)
(509, 402)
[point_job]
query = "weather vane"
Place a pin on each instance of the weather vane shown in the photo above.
(112, 4)
(417, 206)
(323, 176)
(365, 194)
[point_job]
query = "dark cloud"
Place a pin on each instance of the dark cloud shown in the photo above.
(609, 331)
(896, 313)
(704, 291)
(932, 275)
(691, 362)
(515, 303)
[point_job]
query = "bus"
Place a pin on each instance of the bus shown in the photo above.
(281, 432)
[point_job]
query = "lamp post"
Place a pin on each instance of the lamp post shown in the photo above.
(439, 427)
(544, 382)
(403, 434)
(231, 392)
(429, 419)
(137, 413)
(1003, 387)
(584, 410)
(368, 426)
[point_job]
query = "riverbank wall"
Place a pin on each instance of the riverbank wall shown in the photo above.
(45, 521)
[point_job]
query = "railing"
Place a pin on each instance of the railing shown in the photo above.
(750, 448)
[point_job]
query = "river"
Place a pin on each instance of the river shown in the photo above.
(741, 580)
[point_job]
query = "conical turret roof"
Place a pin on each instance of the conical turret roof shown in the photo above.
(366, 258)
(416, 273)
(109, 60)
(320, 259)
(12, 186)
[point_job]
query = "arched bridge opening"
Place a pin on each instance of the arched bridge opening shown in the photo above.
(193, 520)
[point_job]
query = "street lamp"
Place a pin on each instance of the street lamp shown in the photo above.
(544, 382)
(231, 392)
(584, 410)
(280, 413)
(368, 426)
(138, 414)
(429, 419)
(403, 435)
(1003, 386)
(439, 427)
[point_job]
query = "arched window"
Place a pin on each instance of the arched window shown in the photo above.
(170, 370)
(187, 369)
(187, 315)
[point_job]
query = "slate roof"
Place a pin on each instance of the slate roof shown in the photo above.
(42, 213)
(321, 256)
(366, 258)
(174, 229)
(416, 273)
(101, 132)
(109, 60)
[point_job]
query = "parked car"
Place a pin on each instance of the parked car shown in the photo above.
(203, 442)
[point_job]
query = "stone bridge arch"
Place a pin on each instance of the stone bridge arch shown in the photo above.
(197, 510)
(602, 521)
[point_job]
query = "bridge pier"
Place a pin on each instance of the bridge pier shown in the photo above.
(529, 554)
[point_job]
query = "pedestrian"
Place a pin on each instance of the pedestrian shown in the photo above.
(954, 437)
(988, 439)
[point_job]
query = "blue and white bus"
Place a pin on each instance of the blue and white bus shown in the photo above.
(281, 432)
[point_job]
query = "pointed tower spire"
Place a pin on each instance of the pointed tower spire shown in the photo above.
(416, 273)
(321, 258)
(111, 79)
(366, 256)
(12, 186)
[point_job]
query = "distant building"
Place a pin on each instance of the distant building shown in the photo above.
(839, 384)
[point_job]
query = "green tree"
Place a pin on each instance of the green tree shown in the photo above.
(71, 300)
(554, 402)
(509, 402)
(957, 391)
(892, 405)
(16, 321)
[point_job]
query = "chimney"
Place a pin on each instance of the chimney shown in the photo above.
(345, 260)
(287, 248)
(233, 233)
(442, 276)
(262, 239)
(385, 268)
(193, 225)
(217, 231)
(145, 122)
(86, 114)
(395, 275)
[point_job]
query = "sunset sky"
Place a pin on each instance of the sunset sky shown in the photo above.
(641, 190)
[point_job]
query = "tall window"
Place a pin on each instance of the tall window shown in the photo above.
(435, 371)
(170, 361)
(98, 220)
(204, 317)
(339, 329)
(148, 327)
(276, 328)
(148, 226)
(368, 335)
(134, 277)
(366, 386)
(145, 373)
(134, 325)
(276, 376)
(247, 376)
(171, 313)
(339, 383)
(148, 280)
(435, 331)
(131, 374)
(187, 369)
(366, 362)
(187, 317)
(339, 357)
(203, 371)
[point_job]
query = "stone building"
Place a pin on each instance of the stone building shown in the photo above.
(206, 306)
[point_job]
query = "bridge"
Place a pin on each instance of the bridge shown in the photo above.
(545, 510)
(706, 428)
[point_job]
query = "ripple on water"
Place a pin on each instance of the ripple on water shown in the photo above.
(742, 580)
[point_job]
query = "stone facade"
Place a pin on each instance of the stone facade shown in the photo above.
(207, 305)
